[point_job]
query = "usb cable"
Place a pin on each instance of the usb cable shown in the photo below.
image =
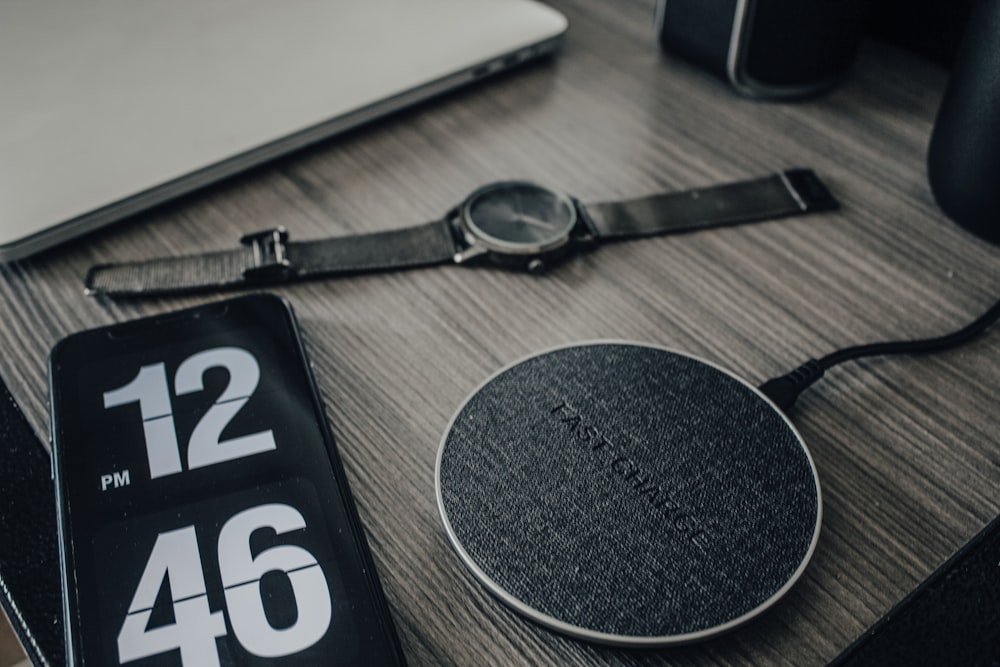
(784, 390)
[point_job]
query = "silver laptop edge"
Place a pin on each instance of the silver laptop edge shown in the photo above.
(60, 232)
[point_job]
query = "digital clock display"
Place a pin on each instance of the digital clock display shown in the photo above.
(204, 516)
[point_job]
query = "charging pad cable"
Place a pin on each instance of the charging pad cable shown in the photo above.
(784, 390)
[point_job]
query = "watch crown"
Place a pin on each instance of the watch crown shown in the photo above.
(536, 266)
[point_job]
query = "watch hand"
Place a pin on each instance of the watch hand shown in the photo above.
(531, 220)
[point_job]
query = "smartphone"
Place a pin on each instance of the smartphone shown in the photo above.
(204, 516)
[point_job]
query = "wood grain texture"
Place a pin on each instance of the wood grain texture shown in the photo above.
(907, 449)
(11, 652)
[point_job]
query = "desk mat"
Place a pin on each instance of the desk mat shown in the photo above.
(30, 590)
(952, 618)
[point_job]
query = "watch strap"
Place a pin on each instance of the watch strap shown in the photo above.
(790, 192)
(269, 256)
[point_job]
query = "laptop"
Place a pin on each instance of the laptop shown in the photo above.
(110, 107)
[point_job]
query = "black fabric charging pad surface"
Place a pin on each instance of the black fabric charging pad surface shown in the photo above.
(628, 494)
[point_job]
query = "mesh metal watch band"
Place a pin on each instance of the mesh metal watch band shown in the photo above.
(269, 256)
(789, 193)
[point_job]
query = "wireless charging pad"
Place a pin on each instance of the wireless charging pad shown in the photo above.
(628, 494)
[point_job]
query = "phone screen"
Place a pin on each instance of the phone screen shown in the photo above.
(204, 516)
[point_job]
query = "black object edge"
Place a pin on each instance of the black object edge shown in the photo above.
(952, 618)
(30, 591)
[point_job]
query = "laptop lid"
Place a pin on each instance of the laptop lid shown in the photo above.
(112, 106)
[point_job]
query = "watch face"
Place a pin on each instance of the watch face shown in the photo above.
(519, 217)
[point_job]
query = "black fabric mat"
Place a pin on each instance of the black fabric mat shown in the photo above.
(952, 618)
(30, 590)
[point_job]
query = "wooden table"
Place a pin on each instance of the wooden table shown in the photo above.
(906, 448)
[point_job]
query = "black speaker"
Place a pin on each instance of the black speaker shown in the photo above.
(766, 48)
(628, 494)
(963, 161)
